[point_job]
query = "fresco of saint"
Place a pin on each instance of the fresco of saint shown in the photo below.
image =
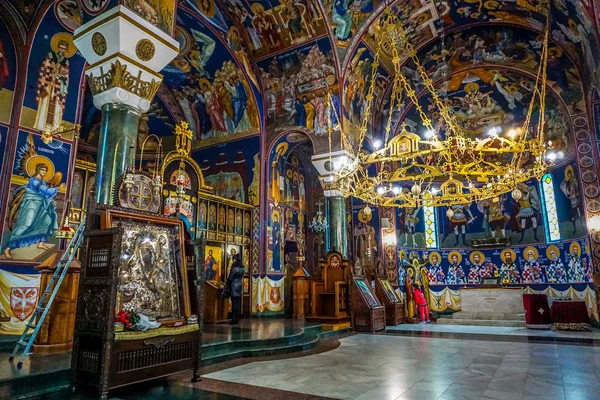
(53, 83)
(555, 270)
(276, 242)
(570, 188)
(576, 272)
(527, 210)
(532, 271)
(474, 277)
(435, 273)
(509, 272)
(456, 273)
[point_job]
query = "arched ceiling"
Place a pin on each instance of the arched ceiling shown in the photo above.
(308, 47)
(500, 37)
(494, 45)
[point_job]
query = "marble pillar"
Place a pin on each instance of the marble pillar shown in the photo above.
(326, 163)
(125, 55)
(116, 147)
(337, 224)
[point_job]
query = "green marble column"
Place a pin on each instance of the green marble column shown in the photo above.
(337, 225)
(116, 147)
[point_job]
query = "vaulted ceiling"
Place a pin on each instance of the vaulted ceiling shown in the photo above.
(488, 49)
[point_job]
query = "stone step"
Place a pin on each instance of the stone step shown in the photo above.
(482, 322)
(488, 316)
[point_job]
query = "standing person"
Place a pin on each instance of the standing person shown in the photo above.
(234, 282)
(421, 304)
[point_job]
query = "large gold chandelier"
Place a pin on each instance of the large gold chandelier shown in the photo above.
(446, 166)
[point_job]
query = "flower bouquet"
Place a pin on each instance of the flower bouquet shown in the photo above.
(128, 318)
(134, 321)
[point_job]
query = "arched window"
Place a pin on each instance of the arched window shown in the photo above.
(431, 235)
(549, 210)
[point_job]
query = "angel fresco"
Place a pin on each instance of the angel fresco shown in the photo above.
(32, 216)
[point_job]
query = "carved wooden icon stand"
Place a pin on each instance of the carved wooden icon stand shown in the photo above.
(394, 306)
(367, 312)
(104, 358)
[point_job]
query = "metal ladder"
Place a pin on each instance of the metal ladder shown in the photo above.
(39, 314)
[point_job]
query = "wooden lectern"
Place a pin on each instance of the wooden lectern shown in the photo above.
(394, 307)
(367, 312)
(329, 296)
(301, 292)
(216, 308)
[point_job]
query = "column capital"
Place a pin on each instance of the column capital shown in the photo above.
(332, 193)
(125, 54)
(327, 163)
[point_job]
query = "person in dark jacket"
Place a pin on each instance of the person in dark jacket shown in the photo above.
(234, 282)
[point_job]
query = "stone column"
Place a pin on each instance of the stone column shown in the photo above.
(125, 54)
(326, 164)
(337, 223)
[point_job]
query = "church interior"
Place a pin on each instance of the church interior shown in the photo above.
(303, 199)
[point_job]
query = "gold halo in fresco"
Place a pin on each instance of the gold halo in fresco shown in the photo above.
(532, 249)
(550, 249)
(458, 256)
(431, 256)
(282, 148)
(575, 247)
(63, 37)
(512, 253)
(364, 218)
(472, 256)
(35, 160)
(207, 7)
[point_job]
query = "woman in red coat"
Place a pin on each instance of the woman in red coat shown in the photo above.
(421, 304)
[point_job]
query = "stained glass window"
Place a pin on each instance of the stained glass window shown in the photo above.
(431, 238)
(549, 206)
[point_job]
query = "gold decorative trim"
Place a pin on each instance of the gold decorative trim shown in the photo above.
(87, 165)
(224, 201)
(144, 50)
(119, 77)
(152, 333)
(125, 58)
(133, 22)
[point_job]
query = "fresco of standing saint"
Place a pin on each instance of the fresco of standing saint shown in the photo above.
(53, 83)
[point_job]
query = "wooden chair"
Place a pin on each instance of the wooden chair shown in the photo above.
(329, 295)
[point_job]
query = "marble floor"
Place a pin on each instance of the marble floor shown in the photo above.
(368, 366)
(499, 333)
(253, 329)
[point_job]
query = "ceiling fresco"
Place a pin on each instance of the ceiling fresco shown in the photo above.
(273, 26)
(213, 93)
(286, 54)
(500, 98)
(468, 40)
(296, 84)
(483, 46)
